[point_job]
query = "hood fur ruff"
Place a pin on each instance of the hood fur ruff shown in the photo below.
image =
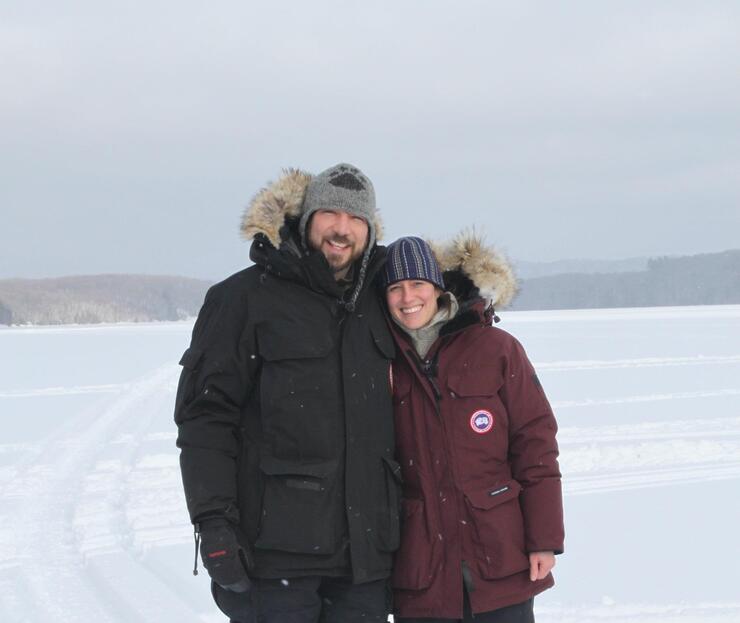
(279, 200)
(483, 265)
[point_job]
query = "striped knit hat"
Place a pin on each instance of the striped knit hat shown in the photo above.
(411, 258)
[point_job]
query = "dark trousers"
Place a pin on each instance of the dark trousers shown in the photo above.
(518, 613)
(310, 599)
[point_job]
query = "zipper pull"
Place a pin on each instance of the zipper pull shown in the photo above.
(499, 491)
(196, 538)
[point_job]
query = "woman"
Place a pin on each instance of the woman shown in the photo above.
(475, 437)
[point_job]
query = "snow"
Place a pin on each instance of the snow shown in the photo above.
(94, 520)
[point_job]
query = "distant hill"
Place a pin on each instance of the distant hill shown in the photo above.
(706, 279)
(99, 298)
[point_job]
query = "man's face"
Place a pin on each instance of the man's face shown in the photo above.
(340, 236)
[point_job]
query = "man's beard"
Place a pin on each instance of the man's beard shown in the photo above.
(336, 262)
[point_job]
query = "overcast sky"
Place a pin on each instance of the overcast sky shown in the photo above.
(132, 134)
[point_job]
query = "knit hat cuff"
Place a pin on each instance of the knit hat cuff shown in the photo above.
(411, 258)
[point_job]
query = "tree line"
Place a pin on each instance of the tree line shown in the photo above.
(707, 279)
(93, 299)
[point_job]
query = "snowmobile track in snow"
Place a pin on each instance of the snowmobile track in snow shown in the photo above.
(60, 559)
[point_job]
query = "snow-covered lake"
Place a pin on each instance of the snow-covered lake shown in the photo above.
(94, 527)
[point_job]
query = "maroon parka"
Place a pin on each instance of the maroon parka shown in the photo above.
(475, 436)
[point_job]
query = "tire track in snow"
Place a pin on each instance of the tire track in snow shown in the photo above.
(40, 547)
(589, 402)
(610, 612)
(627, 457)
(111, 388)
(670, 429)
(130, 504)
(643, 479)
(642, 362)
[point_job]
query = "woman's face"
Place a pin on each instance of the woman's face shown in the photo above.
(412, 302)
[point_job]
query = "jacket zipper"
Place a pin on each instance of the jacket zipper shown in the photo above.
(498, 491)
(428, 367)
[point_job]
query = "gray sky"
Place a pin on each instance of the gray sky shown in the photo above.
(132, 134)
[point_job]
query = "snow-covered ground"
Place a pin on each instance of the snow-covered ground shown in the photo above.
(94, 526)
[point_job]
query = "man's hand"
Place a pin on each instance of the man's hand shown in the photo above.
(540, 564)
(222, 556)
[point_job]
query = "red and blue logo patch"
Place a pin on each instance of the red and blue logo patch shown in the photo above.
(481, 421)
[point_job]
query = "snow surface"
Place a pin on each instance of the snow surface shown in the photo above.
(94, 526)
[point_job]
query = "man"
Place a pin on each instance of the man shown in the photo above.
(284, 412)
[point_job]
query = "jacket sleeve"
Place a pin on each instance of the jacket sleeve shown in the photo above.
(533, 452)
(216, 379)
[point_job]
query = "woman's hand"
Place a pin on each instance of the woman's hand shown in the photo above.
(540, 564)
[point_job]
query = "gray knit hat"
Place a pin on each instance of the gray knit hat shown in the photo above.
(411, 258)
(342, 187)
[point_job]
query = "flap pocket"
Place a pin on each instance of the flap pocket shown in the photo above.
(498, 530)
(191, 357)
(295, 343)
(282, 467)
(484, 381)
(491, 497)
(304, 492)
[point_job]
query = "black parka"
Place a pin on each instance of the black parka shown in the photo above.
(285, 418)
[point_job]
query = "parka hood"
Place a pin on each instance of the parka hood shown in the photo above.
(280, 203)
(472, 270)
(272, 220)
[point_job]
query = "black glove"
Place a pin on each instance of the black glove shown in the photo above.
(223, 557)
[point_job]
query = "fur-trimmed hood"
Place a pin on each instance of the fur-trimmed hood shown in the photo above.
(280, 203)
(472, 269)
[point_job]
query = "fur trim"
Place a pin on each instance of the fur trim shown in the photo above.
(489, 270)
(266, 213)
(280, 200)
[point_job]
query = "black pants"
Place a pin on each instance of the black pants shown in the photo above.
(518, 613)
(307, 600)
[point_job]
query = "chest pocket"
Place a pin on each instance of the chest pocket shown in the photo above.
(479, 416)
(292, 342)
(481, 381)
(190, 362)
(300, 389)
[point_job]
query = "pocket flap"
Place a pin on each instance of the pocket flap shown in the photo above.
(191, 357)
(495, 495)
(283, 467)
(485, 381)
(293, 344)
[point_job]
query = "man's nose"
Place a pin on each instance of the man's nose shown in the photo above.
(342, 222)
